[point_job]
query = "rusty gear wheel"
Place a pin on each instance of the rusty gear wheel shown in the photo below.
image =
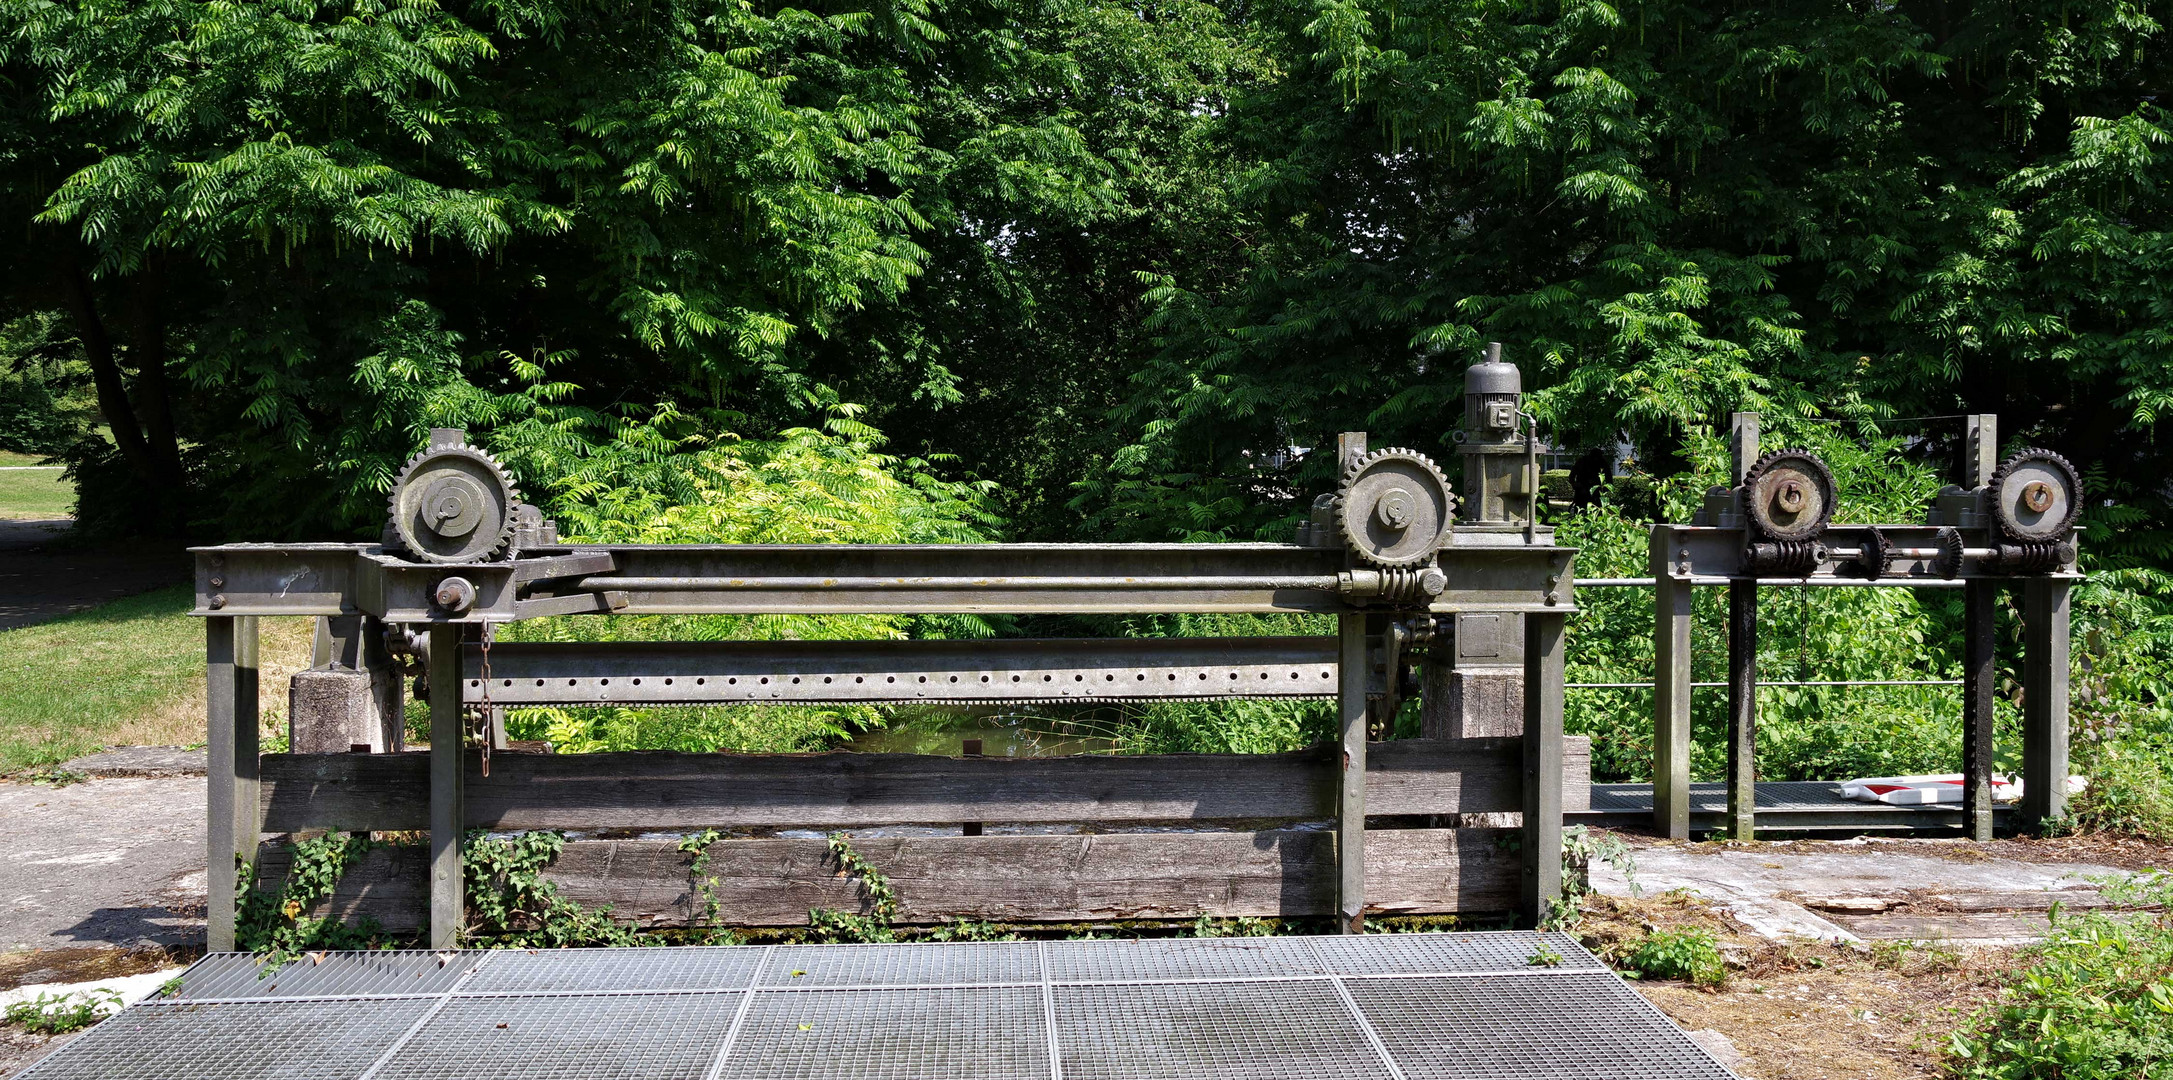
(453, 503)
(1395, 508)
(1789, 495)
(2035, 497)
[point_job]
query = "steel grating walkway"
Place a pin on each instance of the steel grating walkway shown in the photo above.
(1376, 1007)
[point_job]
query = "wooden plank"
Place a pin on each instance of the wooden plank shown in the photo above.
(657, 790)
(773, 882)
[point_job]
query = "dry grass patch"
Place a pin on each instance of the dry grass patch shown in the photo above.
(1808, 1011)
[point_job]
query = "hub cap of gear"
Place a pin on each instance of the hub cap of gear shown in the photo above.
(1395, 507)
(1789, 495)
(2035, 497)
(454, 504)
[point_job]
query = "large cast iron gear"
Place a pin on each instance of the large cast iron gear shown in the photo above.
(1395, 508)
(2035, 497)
(1788, 495)
(454, 504)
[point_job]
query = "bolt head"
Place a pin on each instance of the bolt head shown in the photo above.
(1396, 508)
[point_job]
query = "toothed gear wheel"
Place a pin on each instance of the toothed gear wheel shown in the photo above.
(1789, 495)
(2035, 497)
(454, 504)
(1395, 508)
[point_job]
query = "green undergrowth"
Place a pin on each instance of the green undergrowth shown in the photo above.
(276, 923)
(2096, 1003)
(59, 1014)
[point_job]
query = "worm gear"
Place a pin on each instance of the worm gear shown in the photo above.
(1788, 496)
(453, 503)
(2035, 496)
(1395, 508)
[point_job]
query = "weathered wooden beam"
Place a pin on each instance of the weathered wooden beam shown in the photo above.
(658, 790)
(773, 882)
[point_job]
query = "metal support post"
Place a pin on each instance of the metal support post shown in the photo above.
(2044, 701)
(1671, 692)
(1979, 601)
(1742, 445)
(1351, 780)
(1743, 708)
(1542, 846)
(446, 763)
(232, 825)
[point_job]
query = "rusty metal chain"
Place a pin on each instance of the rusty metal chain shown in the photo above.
(485, 676)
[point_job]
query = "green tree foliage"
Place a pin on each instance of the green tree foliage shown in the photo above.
(291, 234)
(828, 485)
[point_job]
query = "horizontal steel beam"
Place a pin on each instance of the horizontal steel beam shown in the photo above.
(996, 671)
(336, 579)
(1705, 555)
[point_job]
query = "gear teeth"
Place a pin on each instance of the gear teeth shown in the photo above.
(1356, 542)
(2074, 503)
(503, 549)
(1765, 464)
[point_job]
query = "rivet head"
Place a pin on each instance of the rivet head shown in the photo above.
(216, 602)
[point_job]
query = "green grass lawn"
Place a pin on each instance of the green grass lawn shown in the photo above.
(70, 686)
(32, 493)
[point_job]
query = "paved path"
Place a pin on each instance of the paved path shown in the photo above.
(42, 579)
(109, 862)
(1856, 890)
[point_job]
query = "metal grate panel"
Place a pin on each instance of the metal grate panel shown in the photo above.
(927, 1034)
(1524, 1027)
(956, 964)
(568, 1037)
(1208, 1031)
(228, 976)
(257, 1040)
(1181, 958)
(1446, 954)
(694, 967)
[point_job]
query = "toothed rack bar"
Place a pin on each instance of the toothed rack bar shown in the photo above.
(1044, 670)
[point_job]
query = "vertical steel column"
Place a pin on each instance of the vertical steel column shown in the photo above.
(446, 764)
(232, 822)
(1980, 603)
(1670, 691)
(1980, 598)
(2044, 701)
(1350, 847)
(1742, 653)
(1743, 708)
(219, 783)
(1542, 846)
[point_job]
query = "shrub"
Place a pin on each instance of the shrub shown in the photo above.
(1691, 955)
(2098, 1002)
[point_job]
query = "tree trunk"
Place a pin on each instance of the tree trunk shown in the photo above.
(106, 375)
(147, 351)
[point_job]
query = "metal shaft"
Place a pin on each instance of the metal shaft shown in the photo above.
(601, 582)
(1742, 709)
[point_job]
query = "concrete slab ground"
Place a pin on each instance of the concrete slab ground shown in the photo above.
(1870, 889)
(114, 863)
